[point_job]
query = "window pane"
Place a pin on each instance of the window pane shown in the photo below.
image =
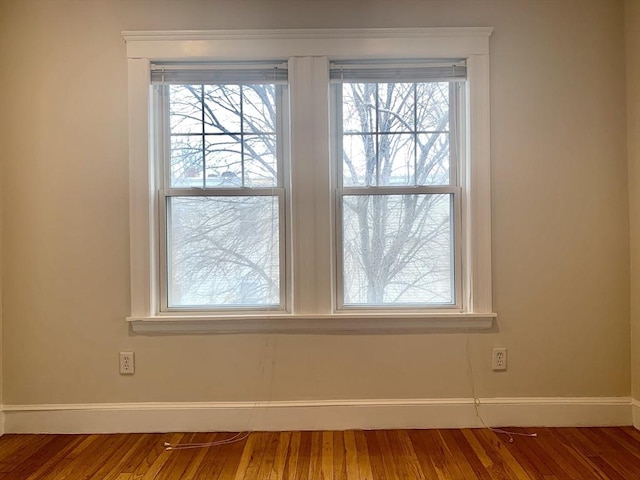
(186, 161)
(432, 105)
(398, 249)
(396, 103)
(224, 161)
(238, 128)
(433, 159)
(260, 166)
(259, 108)
(185, 108)
(222, 111)
(223, 251)
(359, 160)
(407, 137)
(359, 107)
(396, 157)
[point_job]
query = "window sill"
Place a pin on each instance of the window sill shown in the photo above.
(310, 324)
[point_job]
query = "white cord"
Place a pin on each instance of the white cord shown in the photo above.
(184, 446)
(477, 404)
(240, 436)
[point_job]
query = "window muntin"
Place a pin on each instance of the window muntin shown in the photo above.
(397, 150)
(396, 134)
(223, 136)
(222, 197)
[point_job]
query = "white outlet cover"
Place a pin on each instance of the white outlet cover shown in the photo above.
(127, 363)
(499, 359)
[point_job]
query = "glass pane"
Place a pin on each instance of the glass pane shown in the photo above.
(260, 165)
(396, 107)
(432, 106)
(223, 160)
(433, 159)
(223, 251)
(398, 250)
(259, 108)
(359, 107)
(186, 161)
(396, 157)
(222, 112)
(359, 160)
(185, 108)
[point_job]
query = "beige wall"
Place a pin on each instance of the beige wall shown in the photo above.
(3, 141)
(560, 214)
(632, 20)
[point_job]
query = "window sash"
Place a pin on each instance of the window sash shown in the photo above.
(163, 201)
(166, 192)
(454, 189)
(455, 253)
(164, 145)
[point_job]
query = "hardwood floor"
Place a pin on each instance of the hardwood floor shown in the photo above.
(557, 453)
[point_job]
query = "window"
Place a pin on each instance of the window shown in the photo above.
(322, 180)
(222, 190)
(397, 150)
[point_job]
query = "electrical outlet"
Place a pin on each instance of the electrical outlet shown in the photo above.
(499, 359)
(127, 363)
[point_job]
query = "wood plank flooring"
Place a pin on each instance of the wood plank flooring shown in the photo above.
(557, 453)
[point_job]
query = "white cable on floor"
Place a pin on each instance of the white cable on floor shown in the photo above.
(240, 436)
(477, 404)
(184, 446)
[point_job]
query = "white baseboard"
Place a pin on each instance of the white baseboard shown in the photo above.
(635, 405)
(1, 421)
(316, 415)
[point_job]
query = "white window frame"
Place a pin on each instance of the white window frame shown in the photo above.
(160, 105)
(456, 116)
(312, 305)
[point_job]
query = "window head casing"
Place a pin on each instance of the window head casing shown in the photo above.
(314, 303)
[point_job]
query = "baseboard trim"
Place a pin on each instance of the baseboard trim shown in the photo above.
(316, 415)
(635, 406)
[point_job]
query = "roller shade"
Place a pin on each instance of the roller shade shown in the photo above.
(379, 72)
(218, 73)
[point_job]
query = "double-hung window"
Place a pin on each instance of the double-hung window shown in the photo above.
(309, 180)
(397, 147)
(222, 217)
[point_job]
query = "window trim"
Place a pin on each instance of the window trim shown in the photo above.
(313, 292)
